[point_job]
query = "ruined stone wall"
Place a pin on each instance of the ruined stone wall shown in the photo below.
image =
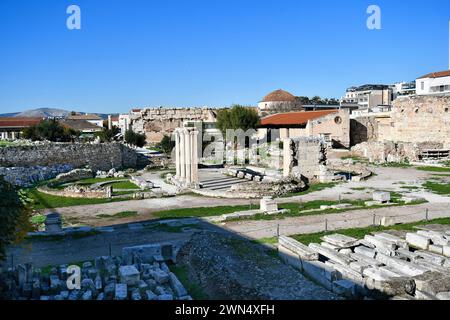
(363, 129)
(158, 122)
(421, 119)
(77, 155)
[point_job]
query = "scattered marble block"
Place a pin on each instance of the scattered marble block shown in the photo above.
(268, 204)
(381, 196)
(129, 275)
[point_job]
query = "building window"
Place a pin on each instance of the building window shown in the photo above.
(338, 120)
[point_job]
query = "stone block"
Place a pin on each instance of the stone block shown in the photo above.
(121, 291)
(381, 196)
(340, 240)
(417, 241)
(344, 288)
(446, 251)
(290, 258)
(364, 251)
(437, 238)
(160, 276)
(443, 296)
(431, 257)
(331, 254)
(329, 246)
(383, 246)
(320, 273)
(150, 295)
(177, 286)
(404, 267)
(303, 251)
(401, 243)
(432, 282)
(434, 248)
(268, 204)
(129, 275)
(165, 297)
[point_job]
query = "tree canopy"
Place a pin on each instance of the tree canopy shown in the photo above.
(238, 117)
(50, 130)
(166, 145)
(14, 216)
(135, 139)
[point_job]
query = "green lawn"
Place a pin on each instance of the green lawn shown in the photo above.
(434, 169)
(312, 188)
(396, 165)
(439, 188)
(198, 212)
(120, 215)
(46, 201)
(359, 233)
(124, 185)
(98, 180)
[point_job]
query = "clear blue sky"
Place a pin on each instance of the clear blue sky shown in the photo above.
(136, 53)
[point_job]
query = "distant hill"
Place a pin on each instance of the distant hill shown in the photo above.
(45, 113)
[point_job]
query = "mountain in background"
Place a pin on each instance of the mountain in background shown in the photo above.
(45, 113)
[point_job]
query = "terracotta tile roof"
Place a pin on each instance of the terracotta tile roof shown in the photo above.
(18, 122)
(115, 118)
(84, 117)
(79, 125)
(294, 118)
(136, 110)
(279, 95)
(439, 74)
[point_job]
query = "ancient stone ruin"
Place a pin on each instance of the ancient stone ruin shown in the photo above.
(141, 273)
(390, 264)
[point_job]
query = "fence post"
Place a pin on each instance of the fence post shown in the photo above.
(326, 225)
(426, 215)
(374, 217)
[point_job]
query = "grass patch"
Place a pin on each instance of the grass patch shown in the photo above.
(198, 212)
(38, 219)
(434, 169)
(46, 201)
(124, 185)
(192, 287)
(410, 187)
(359, 233)
(442, 189)
(120, 215)
(312, 188)
(359, 188)
(396, 165)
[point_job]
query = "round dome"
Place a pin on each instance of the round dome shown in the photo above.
(279, 95)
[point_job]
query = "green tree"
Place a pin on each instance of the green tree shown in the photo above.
(166, 145)
(135, 139)
(50, 130)
(107, 135)
(238, 117)
(14, 216)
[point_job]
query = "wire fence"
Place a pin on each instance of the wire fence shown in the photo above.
(330, 222)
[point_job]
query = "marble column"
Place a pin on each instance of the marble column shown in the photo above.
(3, 135)
(13, 135)
(182, 161)
(177, 153)
(287, 157)
(187, 155)
(194, 165)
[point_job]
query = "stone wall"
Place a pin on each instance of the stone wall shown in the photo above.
(27, 177)
(421, 119)
(363, 129)
(158, 122)
(77, 155)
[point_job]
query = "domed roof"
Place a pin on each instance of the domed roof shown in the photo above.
(279, 95)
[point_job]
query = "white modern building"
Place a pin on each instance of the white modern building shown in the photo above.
(402, 89)
(367, 96)
(436, 83)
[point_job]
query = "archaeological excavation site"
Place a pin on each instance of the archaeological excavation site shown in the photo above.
(224, 159)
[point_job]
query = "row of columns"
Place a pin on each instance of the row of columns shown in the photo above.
(186, 156)
(9, 135)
